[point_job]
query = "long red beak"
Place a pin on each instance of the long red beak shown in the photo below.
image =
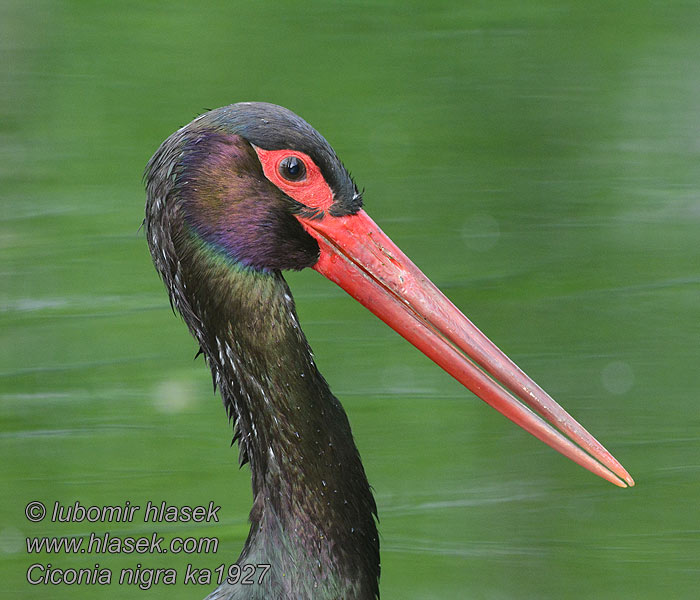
(361, 259)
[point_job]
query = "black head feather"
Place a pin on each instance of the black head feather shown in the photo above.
(273, 127)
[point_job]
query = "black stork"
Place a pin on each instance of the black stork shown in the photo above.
(236, 197)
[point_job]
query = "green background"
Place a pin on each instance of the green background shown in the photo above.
(538, 160)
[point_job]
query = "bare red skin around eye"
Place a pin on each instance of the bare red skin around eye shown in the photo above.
(312, 191)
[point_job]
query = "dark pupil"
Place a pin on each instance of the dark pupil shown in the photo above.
(292, 168)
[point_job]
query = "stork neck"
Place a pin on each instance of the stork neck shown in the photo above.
(313, 517)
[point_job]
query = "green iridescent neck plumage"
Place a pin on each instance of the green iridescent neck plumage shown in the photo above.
(219, 255)
(313, 512)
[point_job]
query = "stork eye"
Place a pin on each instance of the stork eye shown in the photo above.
(292, 169)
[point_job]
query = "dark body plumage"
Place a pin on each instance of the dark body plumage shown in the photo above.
(219, 234)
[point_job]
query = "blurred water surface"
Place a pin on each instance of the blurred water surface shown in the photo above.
(538, 160)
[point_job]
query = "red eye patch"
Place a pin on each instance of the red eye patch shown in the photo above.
(311, 190)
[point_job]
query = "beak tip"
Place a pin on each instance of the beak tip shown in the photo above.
(624, 475)
(622, 480)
